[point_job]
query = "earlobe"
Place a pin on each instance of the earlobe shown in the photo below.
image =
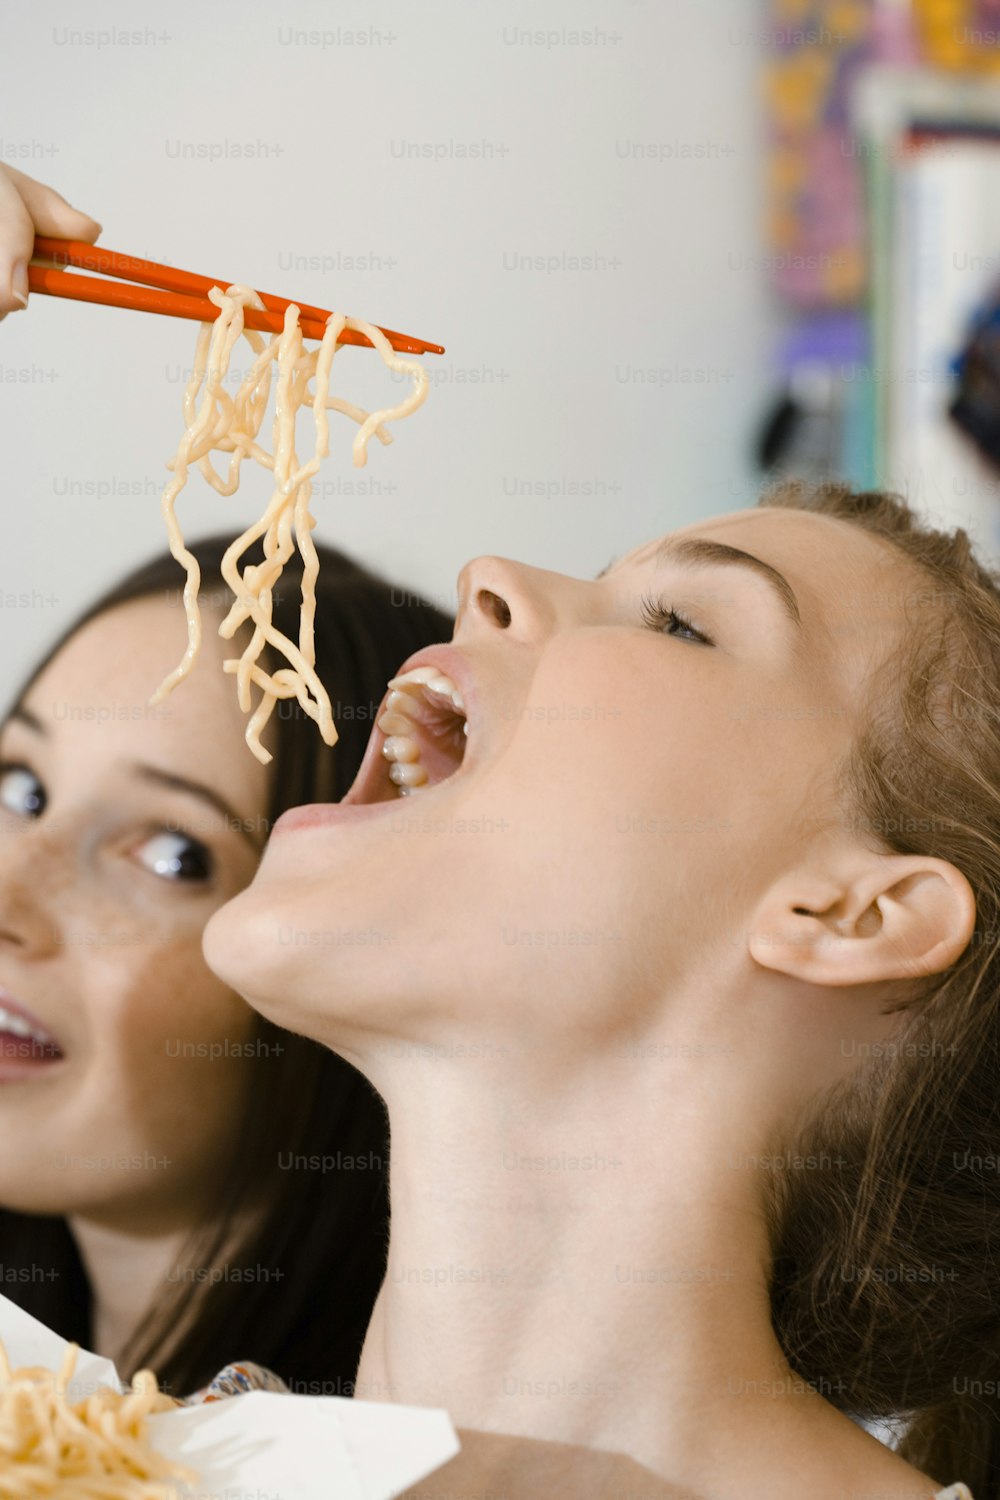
(894, 917)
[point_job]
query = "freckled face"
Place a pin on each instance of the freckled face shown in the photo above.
(122, 829)
(644, 752)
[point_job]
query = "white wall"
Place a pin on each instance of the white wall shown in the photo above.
(638, 147)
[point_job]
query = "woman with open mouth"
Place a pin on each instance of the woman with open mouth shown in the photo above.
(687, 1015)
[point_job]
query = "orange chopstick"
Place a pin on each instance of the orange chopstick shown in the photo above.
(180, 294)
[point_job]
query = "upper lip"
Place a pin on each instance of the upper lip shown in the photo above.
(8, 1003)
(449, 660)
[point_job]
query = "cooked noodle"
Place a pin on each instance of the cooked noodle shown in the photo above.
(218, 422)
(96, 1449)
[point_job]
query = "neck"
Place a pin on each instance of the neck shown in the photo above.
(127, 1271)
(584, 1259)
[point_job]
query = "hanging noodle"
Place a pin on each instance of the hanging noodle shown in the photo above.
(96, 1449)
(218, 422)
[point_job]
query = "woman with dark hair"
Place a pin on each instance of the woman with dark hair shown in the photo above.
(688, 1029)
(182, 1182)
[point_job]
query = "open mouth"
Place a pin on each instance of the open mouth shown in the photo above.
(24, 1042)
(419, 741)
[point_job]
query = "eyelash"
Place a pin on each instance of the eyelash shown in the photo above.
(657, 612)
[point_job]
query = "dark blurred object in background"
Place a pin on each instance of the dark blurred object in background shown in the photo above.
(976, 406)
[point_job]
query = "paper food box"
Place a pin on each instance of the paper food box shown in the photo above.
(263, 1443)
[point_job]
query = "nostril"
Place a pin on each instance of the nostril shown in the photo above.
(492, 604)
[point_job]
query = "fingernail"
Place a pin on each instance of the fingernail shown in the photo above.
(19, 283)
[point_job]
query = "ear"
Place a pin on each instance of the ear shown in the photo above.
(891, 916)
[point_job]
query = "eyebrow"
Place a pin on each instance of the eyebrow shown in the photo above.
(195, 789)
(23, 715)
(700, 552)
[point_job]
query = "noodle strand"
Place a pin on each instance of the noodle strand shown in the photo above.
(218, 422)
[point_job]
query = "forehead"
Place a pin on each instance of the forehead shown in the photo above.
(92, 699)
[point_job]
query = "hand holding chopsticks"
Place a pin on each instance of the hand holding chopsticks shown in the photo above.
(37, 225)
(28, 208)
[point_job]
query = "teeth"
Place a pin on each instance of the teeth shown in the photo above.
(412, 775)
(432, 678)
(17, 1026)
(401, 749)
(400, 746)
(395, 724)
(445, 686)
(415, 674)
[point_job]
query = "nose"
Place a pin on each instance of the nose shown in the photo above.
(528, 604)
(28, 924)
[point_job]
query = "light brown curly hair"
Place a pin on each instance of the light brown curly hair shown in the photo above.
(885, 1294)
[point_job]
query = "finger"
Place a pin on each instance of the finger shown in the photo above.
(17, 236)
(50, 211)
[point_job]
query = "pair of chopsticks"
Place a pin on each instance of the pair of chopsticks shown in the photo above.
(181, 294)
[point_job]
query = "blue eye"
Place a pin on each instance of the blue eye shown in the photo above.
(657, 613)
(21, 792)
(175, 856)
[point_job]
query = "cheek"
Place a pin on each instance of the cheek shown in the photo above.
(173, 1053)
(151, 995)
(628, 777)
(635, 725)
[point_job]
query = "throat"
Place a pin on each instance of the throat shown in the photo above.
(576, 1289)
(128, 1275)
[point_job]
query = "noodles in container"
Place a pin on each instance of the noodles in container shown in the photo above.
(69, 1430)
(217, 422)
(94, 1449)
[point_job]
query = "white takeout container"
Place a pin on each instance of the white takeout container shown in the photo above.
(265, 1442)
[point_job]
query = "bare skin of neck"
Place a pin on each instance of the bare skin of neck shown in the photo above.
(127, 1272)
(578, 1254)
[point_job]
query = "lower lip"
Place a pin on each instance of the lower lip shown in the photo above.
(332, 814)
(18, 1061)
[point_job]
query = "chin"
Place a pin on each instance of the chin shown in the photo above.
(313, 990)
(238, 948)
